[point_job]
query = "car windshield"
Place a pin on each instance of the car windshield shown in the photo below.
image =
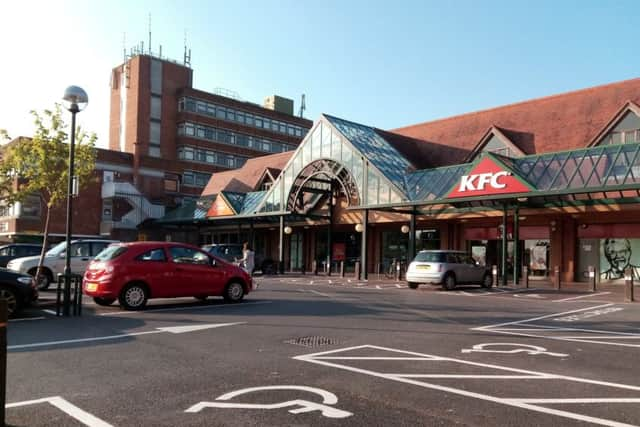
(430, 257)
(110, 252)
(57, 249)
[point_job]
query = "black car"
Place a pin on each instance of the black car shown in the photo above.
(18, 289)
(18, 250)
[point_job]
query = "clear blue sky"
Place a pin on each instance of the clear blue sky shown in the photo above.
(383, 63)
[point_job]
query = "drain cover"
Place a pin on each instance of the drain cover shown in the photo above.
(311, 341)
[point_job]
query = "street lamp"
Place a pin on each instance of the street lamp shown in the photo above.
(75, 99)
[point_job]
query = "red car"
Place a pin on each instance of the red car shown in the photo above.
(134, 272)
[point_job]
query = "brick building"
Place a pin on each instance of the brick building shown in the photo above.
(166, 138)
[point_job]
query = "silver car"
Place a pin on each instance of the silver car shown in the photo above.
(448, 268)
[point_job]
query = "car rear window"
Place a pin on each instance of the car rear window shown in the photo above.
(110, 252)
(430, 257)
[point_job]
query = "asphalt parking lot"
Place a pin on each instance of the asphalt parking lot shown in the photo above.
(303, 351)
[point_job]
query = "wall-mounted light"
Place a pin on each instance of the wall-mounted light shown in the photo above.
(553, 225)
(522, 218)
(359, 228)
(287, 230)
(583, 226)
(404, 229)
(523, 199)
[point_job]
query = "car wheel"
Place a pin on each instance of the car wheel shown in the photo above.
(234, 292)
(134, 297)
(13, 306)
(103, 301)
(201, 297)
(449, 282)
(45, 278)
(487, 281)
(413, 285)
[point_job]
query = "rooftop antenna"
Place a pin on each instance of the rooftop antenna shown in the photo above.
(124, 47)
(187, 56)
(303, 106)
(149, 33)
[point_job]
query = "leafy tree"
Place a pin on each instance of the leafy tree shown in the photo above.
(40, 165)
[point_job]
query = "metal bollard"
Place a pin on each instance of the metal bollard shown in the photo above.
(592, 278)
(397, 270)
(302, 267)
(556, 276)
(77, 295)
(341, 268)
(59, 295)
(357, 270)
(494, 275)
(314, 267)
(628, 284)
(525, 276)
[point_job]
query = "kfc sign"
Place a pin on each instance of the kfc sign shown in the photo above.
(488, 178)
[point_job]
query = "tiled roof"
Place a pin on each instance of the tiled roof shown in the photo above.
(566, 121)
(245, 179)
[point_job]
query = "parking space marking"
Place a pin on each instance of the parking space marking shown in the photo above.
(533, 404)
(195, 307)
(66, 407)
(170, 329)
(25, 319)
(581, 296)
(527, 328)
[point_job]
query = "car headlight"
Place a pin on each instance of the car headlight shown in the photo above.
(25, 280)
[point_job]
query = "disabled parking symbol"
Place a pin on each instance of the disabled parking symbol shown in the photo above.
(510, 348)
(298, 406)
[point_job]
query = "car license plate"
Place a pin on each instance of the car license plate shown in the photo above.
(423, 267)
(91, 287)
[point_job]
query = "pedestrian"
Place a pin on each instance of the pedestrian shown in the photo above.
(248, 259)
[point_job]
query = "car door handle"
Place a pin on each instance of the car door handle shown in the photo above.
(85, 259)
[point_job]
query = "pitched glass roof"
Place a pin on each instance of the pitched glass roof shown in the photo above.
(236, 200)
(375, 148)
(251, 201)
(190, 210)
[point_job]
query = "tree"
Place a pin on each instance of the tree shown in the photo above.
(40, 165)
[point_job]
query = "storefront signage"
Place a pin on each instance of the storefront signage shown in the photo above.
(488, 178)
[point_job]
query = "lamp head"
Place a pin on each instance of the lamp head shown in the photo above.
(75, 99)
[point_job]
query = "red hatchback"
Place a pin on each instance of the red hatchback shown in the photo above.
(134, 272)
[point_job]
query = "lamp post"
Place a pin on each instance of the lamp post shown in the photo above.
(75, 99)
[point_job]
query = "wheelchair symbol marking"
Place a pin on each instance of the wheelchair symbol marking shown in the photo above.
(299, 405)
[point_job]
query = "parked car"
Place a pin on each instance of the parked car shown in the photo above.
(18, 250)
(18, 289)
(134, 272)
(232, 251)
(82, 251)
(448, 268)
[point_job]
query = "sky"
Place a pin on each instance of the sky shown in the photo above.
(386, 64)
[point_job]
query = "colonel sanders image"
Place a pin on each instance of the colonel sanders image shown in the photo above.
(618, 253)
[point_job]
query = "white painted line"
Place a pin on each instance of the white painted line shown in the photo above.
(491, 377)
(195, 307)
(582, 296)
(27, 319)
(398, 286)
(321, 294)
(374, 358)
(171, 329)
(581, 400)
(586, 339)
(482, 328)
(378, 287)
(312, 358)
(66, 407)
(51, 312)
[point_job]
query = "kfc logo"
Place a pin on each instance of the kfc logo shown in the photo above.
(488, 178)
(479, 181)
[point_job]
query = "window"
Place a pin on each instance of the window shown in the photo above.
(153, 255)
(80, 249)
(171, 185)
(154, 151)
(156, 107)
(182, 255)
(97, 247)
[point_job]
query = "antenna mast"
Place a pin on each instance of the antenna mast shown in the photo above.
(149, 33)
(303, 106)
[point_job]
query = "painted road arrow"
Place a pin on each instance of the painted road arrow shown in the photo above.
(170, 329)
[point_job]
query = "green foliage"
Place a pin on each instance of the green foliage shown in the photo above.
(42, 163)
